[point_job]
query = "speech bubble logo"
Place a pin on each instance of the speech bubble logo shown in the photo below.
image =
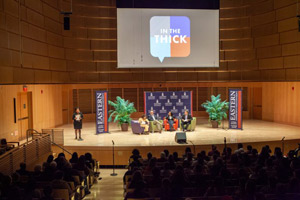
(170, 36)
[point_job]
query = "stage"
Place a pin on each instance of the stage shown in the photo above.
(257, 133)
(253, 131)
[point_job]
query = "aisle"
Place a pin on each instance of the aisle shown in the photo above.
(109, 188)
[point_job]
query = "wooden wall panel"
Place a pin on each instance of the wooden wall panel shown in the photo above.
(46, 102)
(280, 102)
(255, 36)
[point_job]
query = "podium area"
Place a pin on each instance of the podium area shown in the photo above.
(256, 132)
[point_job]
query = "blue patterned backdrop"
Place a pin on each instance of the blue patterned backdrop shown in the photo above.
(163, 102)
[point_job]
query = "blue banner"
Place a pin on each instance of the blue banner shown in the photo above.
(101, 112)
(163, 102)
(235, 109)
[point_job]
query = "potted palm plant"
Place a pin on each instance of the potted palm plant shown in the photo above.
(121, 112)
(216, 109)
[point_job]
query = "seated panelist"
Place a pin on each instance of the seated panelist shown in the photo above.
(186, 120)
(171, 119)
(155, 121)
(144, 123)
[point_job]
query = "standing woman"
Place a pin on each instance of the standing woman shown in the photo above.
(77, 119)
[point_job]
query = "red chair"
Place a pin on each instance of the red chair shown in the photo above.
(167, 125)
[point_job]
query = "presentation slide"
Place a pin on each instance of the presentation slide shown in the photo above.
(158, 38)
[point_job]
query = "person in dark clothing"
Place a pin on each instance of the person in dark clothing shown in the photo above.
(74, 158)
(139, 191)
(77, 121)
(155, 181)
(171, 120)
(186, 120)
(22, 171)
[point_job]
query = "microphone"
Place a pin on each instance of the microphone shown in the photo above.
(113, 142)
(224, 139)
(282, 138)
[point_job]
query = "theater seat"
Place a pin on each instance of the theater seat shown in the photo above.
(167, 125)
(62, 194)
(192, 126)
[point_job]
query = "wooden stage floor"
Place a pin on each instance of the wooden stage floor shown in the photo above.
(254, 131)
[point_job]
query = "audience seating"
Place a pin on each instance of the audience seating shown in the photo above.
(62, 194)
(58, 178)
(215, 176)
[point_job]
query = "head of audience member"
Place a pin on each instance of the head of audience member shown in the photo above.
(50, 159)
(171, 162)
(277, 152)
(88, 157)
(213, 147)
(23, 166)
(187, 150)
(61, 155)
(53, 166)
(240, 146)
(166, 153)
(74, 158)
(163, 155)
(249, 149)
(81, 160)
(175, 156)
(254, 152)
(136, 152)
(152, 162)
(149, 156)
(268, 148)
(190, 157)
(37, 169)
(227, 152)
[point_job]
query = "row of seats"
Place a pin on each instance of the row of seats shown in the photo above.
(57, 179)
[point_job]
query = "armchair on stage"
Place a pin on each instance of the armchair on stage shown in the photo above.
(192, 126)
(153, 127)
(136, 127)
(167, 126)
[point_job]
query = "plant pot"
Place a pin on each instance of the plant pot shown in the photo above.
(124, 127)
(214, 124)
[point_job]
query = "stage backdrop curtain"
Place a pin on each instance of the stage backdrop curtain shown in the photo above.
(163, 102)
